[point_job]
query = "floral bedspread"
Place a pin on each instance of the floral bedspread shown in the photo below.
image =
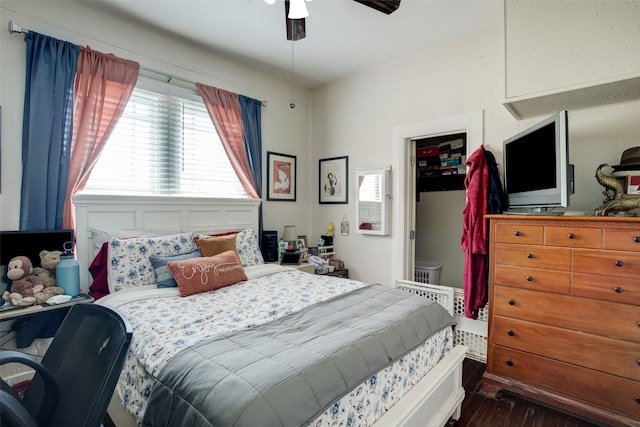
(165, 323)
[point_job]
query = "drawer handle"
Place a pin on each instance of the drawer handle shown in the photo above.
(572, 236)
(636, 239)
(518, 234)
(618, 289)
(529, 255)
(511, 333)
(510, 363)
(619, 264)
(512, 302)
(529, 279)
(638, 399)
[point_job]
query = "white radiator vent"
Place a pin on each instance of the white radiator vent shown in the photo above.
(469, 332)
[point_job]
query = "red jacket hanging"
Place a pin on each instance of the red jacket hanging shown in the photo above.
(474, 233)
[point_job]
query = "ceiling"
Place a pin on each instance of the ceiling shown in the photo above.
(343, 36)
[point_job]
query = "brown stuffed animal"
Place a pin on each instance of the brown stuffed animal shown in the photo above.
(46, 293)
(47, 270)
(24, 284)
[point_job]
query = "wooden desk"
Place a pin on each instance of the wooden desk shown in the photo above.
(30, 310)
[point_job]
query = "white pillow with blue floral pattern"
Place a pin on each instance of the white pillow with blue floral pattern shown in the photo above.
(129, 263)
(248, 248)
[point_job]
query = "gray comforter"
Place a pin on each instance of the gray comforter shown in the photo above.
(288, 371)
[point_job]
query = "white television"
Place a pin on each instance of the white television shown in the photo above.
(537, 175)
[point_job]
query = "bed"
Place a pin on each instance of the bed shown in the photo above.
(176, 362)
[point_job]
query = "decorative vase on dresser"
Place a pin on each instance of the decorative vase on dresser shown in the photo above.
(564, 314)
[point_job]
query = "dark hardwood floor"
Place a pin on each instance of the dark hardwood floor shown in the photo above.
(506, 410)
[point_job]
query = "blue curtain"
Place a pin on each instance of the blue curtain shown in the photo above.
(46, 130)
(252, 126)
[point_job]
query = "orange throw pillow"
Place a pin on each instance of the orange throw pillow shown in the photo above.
(210, 246)
(204, 274)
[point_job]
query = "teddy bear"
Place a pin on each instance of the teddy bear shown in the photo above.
(46, 293)
(24, 284)
(47, 270)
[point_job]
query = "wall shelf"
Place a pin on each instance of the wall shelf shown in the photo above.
(587, 56)
(613, 92)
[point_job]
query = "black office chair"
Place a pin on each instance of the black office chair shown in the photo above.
(74, 383)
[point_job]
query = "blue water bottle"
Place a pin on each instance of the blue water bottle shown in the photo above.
(68, 271)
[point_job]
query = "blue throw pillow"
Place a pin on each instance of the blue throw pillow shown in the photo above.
(163, 275)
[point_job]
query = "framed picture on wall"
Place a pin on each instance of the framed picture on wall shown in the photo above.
(281, 177)
(334, 180)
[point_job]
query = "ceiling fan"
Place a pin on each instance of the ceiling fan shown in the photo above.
(296, 29)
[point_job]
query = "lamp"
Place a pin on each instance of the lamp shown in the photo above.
(298, 9)
(290, 235)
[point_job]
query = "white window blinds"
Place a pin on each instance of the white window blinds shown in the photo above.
(164, 144)
(370, 188)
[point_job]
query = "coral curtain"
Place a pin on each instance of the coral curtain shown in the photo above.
(104, 84)
(46, 130)
(224, 110)
(252, 124)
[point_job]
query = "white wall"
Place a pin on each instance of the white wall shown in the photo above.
(285, 130)
(355, 117)
(438, 231)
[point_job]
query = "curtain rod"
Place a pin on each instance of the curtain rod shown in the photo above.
(17, 29)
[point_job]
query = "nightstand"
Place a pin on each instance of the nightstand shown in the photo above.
(303, 266)
(344, 273)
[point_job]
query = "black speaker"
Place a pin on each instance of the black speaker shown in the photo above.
(270, 246)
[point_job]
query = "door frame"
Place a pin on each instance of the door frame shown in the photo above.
(403, 209)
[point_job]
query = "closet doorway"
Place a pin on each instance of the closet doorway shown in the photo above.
(440, 200)
(442, 210)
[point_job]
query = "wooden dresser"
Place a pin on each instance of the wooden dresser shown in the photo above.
(564, 314)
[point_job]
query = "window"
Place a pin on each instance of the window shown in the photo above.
(370, 188)
(372, 206)
(164, 144)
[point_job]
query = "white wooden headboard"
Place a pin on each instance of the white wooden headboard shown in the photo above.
(155, 213)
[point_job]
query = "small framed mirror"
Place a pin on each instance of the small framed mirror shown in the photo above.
(372, 200)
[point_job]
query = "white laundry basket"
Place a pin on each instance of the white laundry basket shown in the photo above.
(427, 272)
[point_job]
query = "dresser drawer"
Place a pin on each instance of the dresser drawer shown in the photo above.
(533, 256)
(574, 237)
(533, 278)
(614, 356)
(618, 289)
(591, 386)
(604, 318)
(608, 263)
(518, 233)
(627, 239)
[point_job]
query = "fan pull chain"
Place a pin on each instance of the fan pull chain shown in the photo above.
(292, 104)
